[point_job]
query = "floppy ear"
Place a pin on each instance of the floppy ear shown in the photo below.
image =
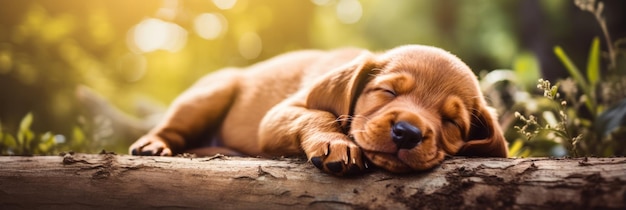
(338, 90)
(485, 137)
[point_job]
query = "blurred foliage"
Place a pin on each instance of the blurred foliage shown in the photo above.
(27, 142)
(138, 55)
(590, 120)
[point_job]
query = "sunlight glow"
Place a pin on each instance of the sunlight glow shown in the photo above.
(169, 9)
(210, 25)
(224, 4)
(349, 11)
(154, 34)
(320, 2)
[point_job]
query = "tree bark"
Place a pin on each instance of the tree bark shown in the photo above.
(112, 181)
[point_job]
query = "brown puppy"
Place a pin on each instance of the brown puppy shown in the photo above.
(403, 110)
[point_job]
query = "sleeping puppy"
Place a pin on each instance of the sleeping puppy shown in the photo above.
(402, 110)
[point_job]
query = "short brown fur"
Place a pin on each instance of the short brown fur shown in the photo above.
(337, 108)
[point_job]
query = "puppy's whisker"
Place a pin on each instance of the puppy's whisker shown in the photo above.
(343, 118)
(362, 116)
(347, 118)
(475, 116)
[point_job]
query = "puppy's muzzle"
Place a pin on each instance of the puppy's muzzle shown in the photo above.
(405, 135)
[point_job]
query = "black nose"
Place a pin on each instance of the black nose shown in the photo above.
(405, 135)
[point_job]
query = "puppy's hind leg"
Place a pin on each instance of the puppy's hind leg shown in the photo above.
(198, 110)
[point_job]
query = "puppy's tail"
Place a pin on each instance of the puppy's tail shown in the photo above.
(124, 127)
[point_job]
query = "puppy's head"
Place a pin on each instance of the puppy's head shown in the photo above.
(417, 104)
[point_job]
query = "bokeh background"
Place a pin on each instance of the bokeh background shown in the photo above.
(65, 63)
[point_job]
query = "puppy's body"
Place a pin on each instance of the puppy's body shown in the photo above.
(234, 101)
(335, 107)
(262, 86)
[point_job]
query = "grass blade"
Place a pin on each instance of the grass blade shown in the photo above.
(572, 69)
(593, 63)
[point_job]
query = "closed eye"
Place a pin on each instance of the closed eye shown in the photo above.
(387, 91)
(451, 121)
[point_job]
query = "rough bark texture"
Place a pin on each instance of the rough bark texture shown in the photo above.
(117, 181)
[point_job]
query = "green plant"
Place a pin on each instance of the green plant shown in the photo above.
(559, 127)
(597, 8)
(27, 142)
(597, 113)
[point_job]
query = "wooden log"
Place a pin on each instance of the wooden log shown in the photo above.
(112, 181)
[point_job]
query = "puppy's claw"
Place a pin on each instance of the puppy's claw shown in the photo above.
(327, 150)
(150, 146)
(166, 152)
(336, 157)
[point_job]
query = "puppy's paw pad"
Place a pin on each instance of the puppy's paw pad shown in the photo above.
(354, 169)
(335, 167)
(318, 162)
(137, 151)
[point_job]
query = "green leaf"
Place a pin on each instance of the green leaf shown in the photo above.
(78, 136)
(26, 121)
(593, 63)
(10, 143)
(611, 119)
(575, 73)
(571, 68)
(515, 149)
(554, 90)
(527, 70)
(24, 134)
(47, 142)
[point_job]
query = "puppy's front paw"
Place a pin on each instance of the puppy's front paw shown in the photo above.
(338, 157)
(150, 146)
